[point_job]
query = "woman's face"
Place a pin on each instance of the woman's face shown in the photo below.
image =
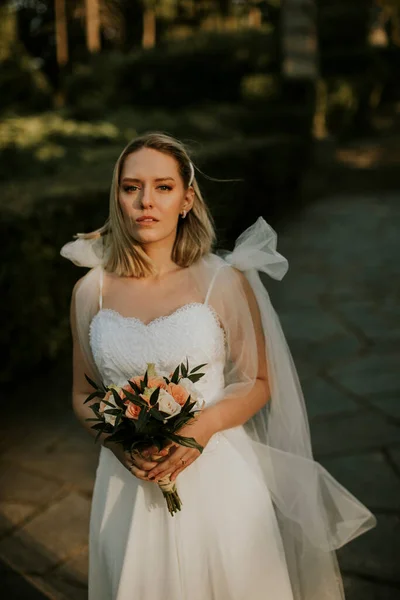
(152, 195)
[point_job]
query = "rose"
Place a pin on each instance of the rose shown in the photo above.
(132, 410)
(152, 383)
(191, 389)
(179, 394)
(167, 404)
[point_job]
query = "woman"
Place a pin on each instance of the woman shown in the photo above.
(260, 518)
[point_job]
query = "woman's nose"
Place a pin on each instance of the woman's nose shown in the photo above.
(146, 198)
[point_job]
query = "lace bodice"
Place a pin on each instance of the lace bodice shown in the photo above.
(122, 346)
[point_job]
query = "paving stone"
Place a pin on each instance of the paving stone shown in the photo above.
(51, 537)
(394, 453)
(323, 399)
(15, 587)
(71, 578)
(11, 514)
(391, 405)
(376, 322)
(376, 553)
(74, 469)
(338, 349)
(353, 432)
(369, 477)
(309, 324)
(359, 589)
(19, 485)
(369, 374)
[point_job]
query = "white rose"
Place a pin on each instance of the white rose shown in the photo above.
(190, 387)
(167, 404)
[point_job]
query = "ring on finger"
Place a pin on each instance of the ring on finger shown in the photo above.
(183, 461)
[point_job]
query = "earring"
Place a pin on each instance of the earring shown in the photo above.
(183, 213)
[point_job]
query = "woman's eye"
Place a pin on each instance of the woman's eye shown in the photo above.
(129, 188)
(168, 187)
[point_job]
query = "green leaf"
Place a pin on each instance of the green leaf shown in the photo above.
(184, 441)
(166, 379)
(198, 368)
(99, 426)
(145, 380)
(135, 387)
(195, 377)
(154, 397)
(107, 403)
(93, 395)
(92, 383)
(113, 411)
(97, 436)
(93, 419)
(186, 403)
(175, 376)
(136, 399)
(156, 414)
(142, 420)
(118, 436)
(184, 370)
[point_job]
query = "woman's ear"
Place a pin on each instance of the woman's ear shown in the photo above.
(189, 199)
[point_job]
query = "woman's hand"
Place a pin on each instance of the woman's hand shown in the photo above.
(134, 462)
(180, 457)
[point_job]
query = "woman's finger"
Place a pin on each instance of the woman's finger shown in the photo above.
(178, 460)
(168, 464)
(139, 473)
(153, 451)
(141, 463)
(175, 474)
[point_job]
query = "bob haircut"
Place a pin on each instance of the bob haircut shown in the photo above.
(195, 234)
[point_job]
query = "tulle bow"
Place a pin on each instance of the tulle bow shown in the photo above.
(84, 253)
(255, 248)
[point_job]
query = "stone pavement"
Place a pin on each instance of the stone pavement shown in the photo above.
(339, 307)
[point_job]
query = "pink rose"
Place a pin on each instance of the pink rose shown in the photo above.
(179, 394)
(132, 410)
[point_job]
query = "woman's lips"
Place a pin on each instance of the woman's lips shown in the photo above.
(146, 221)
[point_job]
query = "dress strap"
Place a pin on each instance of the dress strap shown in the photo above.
(101, 289)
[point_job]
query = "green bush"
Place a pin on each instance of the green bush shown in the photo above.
(23, 87)
(206, 68)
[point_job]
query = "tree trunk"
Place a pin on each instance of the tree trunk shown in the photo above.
(149, 28)
(299, 39)
(61, 33)
(93, 26)
(255, 17)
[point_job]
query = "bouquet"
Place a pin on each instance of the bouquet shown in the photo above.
(148, 411)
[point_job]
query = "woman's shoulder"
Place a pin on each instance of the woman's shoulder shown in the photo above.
(222, 274)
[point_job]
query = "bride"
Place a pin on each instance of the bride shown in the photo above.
(260, 519)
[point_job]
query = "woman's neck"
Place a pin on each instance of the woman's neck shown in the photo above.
(161, 256)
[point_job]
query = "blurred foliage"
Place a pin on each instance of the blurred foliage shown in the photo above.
(177, 74)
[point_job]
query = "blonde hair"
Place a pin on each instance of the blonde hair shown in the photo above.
(195, 234)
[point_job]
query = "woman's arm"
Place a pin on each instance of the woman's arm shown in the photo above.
(80, 386)
(81, 390)
(236, 409)
(248, 353)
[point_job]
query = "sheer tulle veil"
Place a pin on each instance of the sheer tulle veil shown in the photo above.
(316, 514)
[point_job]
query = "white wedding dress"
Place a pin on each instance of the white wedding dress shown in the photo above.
(225, 543)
